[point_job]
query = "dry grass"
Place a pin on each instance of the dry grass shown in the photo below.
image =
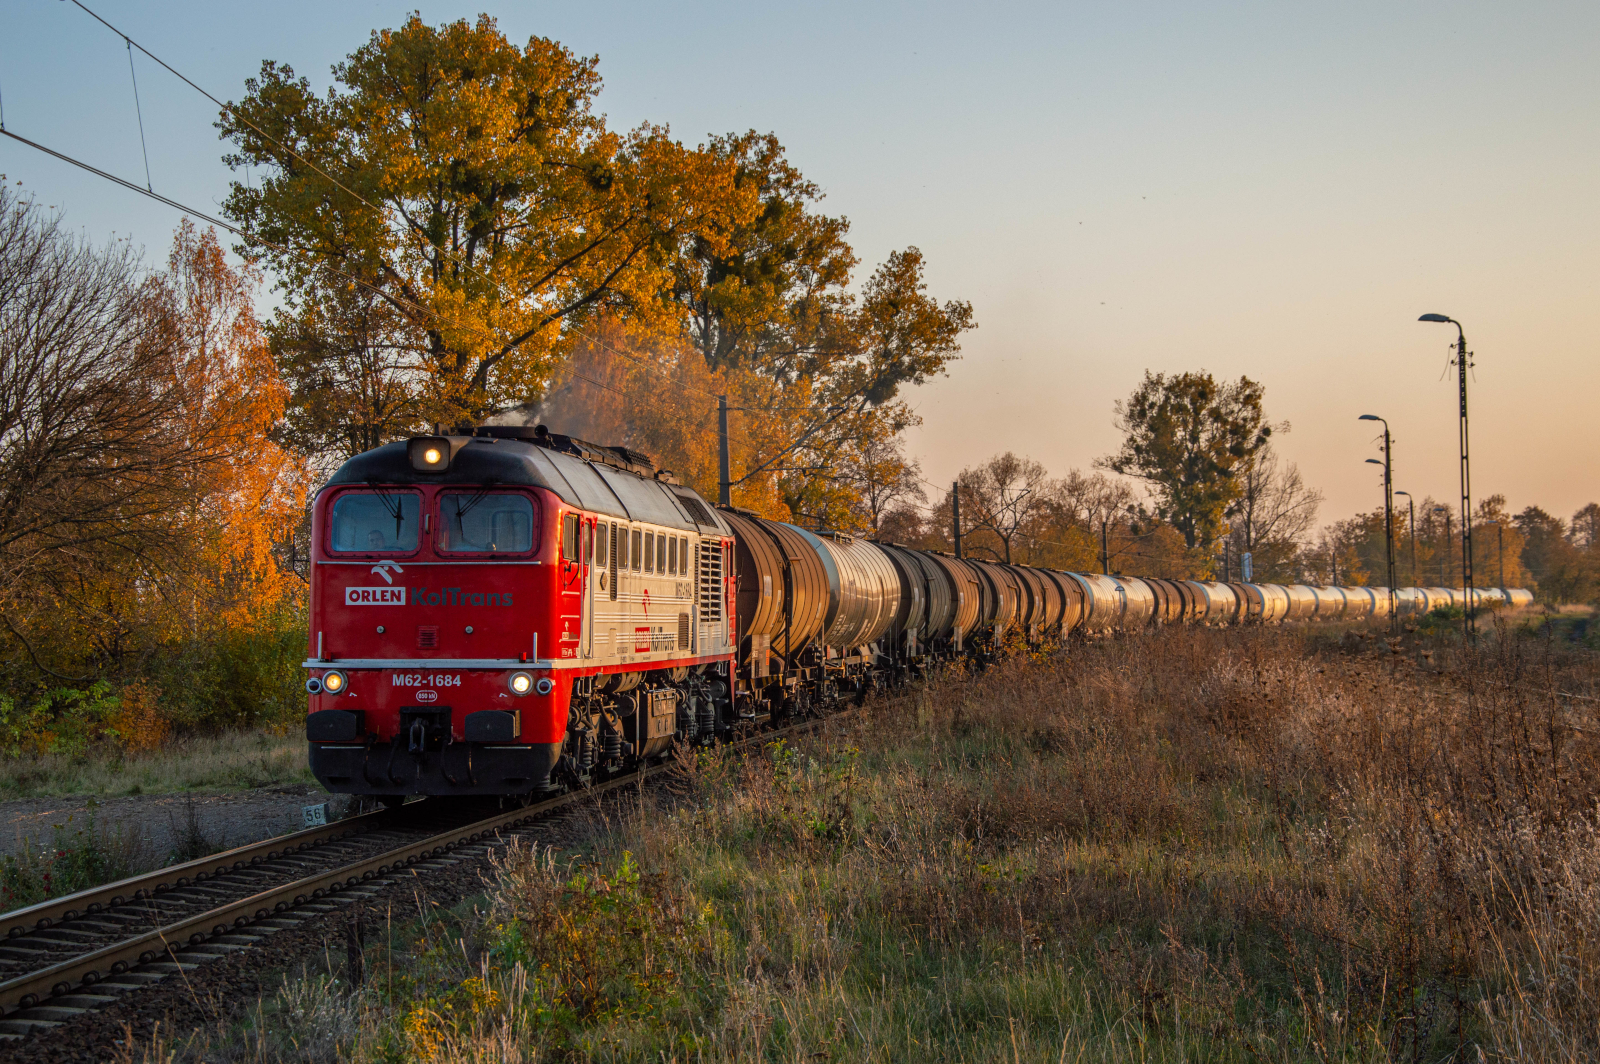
(228, 762)
(1202, 845)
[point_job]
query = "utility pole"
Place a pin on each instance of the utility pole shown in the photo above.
(1463, 363)
(1444, 578)
(1411, 508)
(724, 475)
(1105, 547)
(955, 512)
(1388, 506)
(1500, 542)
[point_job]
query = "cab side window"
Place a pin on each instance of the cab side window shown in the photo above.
(672, 555)
(649, 552)
(569, 537)
(600, 545)
(637, 553)
(661, 554)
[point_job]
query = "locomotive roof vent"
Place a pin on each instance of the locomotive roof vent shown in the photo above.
(616, 457)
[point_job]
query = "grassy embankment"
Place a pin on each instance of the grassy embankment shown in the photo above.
(232, 761)
(1201, 845)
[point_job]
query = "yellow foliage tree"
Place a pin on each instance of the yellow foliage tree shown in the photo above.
(470, 184)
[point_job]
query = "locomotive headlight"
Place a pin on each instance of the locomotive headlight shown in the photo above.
(521, 683)
(333, 681)
(545, 685)
(433, 454)
(314, 685)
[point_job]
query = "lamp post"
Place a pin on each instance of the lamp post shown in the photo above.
(1388, 503)
(1463, 362)
(1411, 505)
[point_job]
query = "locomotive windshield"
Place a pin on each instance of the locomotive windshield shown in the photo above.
(485, 523)
(375, 522)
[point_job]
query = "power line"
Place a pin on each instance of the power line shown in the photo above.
(158, 197)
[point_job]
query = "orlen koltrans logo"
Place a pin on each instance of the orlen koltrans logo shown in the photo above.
(387, 595)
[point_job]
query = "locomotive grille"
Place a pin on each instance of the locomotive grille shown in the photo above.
(710, 573)
(611, 556)
(683, 631)
(427, 636)
(696, 510)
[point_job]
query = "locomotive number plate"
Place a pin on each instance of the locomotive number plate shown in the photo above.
(425, 679)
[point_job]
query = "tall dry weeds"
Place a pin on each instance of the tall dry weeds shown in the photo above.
(1199, 845)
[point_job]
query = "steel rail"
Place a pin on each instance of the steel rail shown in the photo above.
(28, 990)
(95, 899)
(34, 988)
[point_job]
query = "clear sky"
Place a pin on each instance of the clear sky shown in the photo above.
(1269, 189)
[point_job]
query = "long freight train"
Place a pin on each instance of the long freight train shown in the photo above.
(516, 611)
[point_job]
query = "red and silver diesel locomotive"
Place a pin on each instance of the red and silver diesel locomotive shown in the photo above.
(517, 611)
(493, 612)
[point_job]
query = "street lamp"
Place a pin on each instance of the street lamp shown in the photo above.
(1462, 364)
(1411, 505)
(1388, 503)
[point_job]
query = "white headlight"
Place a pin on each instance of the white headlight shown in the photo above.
(431, 456)
(521, 683)
(333, 681)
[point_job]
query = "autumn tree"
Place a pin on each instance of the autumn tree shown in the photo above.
(768, 296)
(1274, 512)
(882, 480)
(148, 516)
(774, 299)
(1001, 501)
(99, 445)
(354, 381)
(1189, 437)
(470, 185)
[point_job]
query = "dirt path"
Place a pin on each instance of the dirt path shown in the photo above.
(149, 828)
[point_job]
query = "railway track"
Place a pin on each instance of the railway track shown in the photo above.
(71, 955)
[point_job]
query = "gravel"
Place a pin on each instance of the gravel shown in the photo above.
(152, 826)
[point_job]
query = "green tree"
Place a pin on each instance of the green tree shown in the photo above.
(471, 186)
(1189, 437)
(1563, 572)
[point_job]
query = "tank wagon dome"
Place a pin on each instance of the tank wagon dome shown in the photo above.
(613, 481)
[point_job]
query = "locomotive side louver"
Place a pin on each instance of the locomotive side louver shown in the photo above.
(611, 555)
(710, 582)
